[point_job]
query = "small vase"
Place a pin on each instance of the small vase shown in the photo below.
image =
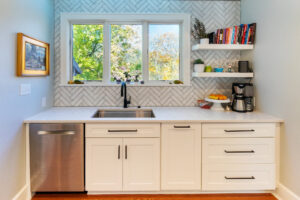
(199, 67)
(204, 41)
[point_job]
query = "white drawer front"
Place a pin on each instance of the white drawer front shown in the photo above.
(239, 130)
(238, 150)
(182, 127)
(238, 177)
(122, 130)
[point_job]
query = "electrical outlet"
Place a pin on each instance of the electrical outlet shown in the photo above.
(25, 89)
(44, 101)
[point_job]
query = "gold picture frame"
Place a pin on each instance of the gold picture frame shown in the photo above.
(32, 56)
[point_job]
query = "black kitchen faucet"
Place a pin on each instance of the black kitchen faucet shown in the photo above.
(124, 94)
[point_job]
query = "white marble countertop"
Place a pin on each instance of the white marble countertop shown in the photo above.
(162, 114)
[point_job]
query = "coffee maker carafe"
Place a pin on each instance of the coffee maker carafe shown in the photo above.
(242, 97)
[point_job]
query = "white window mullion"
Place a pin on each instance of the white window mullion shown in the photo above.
(181, 64)
(106, 61)
(70, 74)
(145, 53)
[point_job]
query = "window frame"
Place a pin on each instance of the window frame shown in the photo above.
(68, 19)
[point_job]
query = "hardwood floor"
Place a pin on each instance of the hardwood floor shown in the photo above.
(82, 196)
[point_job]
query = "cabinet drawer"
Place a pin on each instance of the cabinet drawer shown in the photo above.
(122, 130)
(182, 127)
(238, 177)
(239, 130)
(238, 150)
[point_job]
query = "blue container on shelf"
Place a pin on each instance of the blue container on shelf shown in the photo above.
(219, 69)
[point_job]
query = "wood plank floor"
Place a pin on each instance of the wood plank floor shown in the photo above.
(81, 196)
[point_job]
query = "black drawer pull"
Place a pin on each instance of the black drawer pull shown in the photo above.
(252, 151)
(119, 147)
(123, 131)
(125, 151)
(182, 126)
(235, 131)
(239, 178)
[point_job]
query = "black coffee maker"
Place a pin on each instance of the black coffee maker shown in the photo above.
(242, 97)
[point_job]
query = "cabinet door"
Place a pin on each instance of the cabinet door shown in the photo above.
(181, 157)
(103, 164)
(141, 164)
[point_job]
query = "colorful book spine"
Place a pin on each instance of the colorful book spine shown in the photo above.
(246, 35)
(249, 35)
(237, 28)
(224, 36)
(221, 37)
(232, 35)
(242, 34)
(253, 31)
(229, 35)
(218, 36)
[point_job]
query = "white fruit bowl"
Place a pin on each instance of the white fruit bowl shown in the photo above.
(217, 103)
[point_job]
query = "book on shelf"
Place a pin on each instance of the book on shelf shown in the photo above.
(242, 34)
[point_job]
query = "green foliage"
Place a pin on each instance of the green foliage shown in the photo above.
(198, 61)
(164, 58)
(198, 30)
(88, 51)
(125, 53)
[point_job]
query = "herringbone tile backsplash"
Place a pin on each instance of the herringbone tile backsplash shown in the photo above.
(214, 14)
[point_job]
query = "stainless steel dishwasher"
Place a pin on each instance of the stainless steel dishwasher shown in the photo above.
(57, 157)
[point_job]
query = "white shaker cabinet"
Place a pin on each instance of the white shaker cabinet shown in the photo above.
(175, 157)
(103, 164)
(130, 162)
(141, 164)
(181, 157)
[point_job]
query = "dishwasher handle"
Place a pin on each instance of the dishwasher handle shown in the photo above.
(56, 132)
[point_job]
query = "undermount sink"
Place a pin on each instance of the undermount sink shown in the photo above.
(128, 113)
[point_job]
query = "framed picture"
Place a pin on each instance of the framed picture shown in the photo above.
(33, 56)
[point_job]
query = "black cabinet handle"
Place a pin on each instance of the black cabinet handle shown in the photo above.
(252, 151)
(182, 126)
(123, 131)
(119, 149)
(235, 131)
(125, 151)
(239, 178)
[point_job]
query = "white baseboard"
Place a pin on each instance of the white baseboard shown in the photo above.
(283, 193)
(22, 194)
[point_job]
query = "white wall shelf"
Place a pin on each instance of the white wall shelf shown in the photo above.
(222, 47)
(223, 74)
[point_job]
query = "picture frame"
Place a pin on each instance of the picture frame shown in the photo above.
(33, 56)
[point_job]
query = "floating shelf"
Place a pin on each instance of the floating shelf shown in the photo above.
(223, 74)
(222, 47)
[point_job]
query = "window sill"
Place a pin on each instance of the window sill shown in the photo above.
(129, 85)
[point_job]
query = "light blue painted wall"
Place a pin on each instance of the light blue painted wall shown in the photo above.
(34, 18)
(277, 69)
